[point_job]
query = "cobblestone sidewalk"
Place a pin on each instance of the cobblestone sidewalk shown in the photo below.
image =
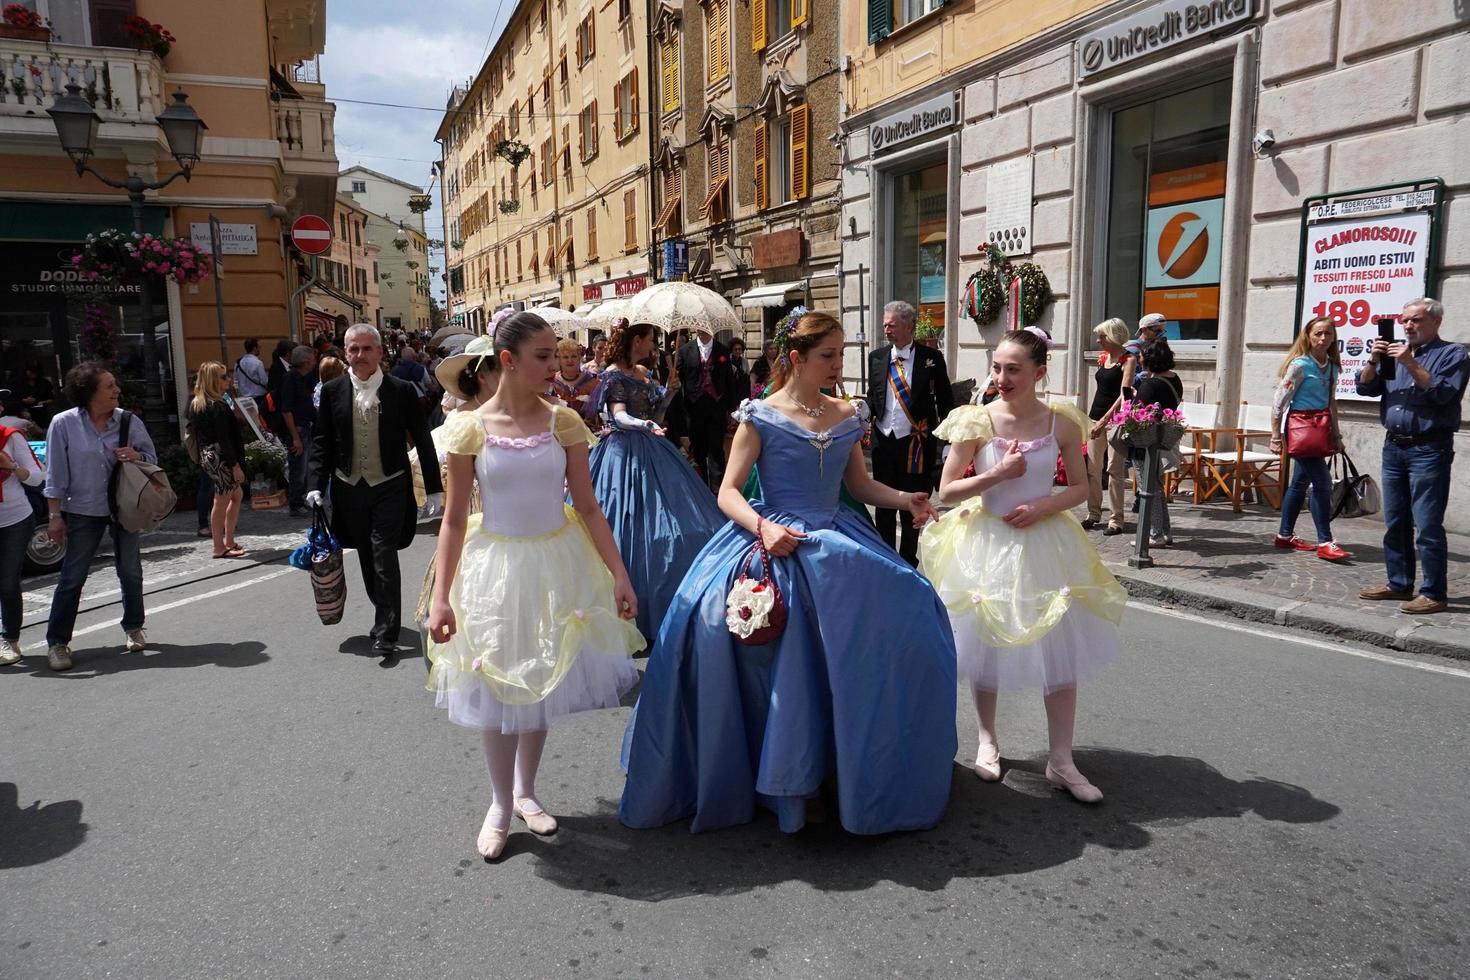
(1225, 561)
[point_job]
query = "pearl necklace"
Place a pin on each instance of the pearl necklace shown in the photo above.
(815, 413)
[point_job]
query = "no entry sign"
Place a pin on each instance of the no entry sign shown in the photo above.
(311, 234)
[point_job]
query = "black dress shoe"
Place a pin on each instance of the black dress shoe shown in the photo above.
(384, 648)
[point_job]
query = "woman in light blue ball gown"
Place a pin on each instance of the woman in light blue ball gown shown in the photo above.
(857, 693)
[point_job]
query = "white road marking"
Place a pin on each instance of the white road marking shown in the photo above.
(155, 610)
(1261, 629)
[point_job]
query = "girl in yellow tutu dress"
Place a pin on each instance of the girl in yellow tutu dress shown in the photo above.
(1029, 600)
(530, 617)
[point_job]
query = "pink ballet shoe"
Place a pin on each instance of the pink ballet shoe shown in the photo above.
(491, 841)
(1075, 783)
(987, 764)
(537, 821)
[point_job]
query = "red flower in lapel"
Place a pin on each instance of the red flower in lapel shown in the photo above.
(722, 359)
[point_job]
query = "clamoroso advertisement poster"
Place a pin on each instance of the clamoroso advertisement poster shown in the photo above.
(1358, 271)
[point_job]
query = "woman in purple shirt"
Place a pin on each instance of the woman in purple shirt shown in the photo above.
(82, 447)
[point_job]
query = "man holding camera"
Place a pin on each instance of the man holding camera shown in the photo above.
(1419, 383)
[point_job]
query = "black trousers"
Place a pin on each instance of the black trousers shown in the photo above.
(890, 467)
(707, 421)
(372, 518)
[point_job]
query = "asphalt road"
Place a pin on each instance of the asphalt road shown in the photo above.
(256, 796)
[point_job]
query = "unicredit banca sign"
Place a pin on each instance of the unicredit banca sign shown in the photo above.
(938, 113)
(1161, 26)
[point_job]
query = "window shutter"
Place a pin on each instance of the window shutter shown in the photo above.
(798, 12)
(592, 126)
(758, 25)
(669, 58)
(762, 165)
(801, 130)
(719, 41)
(630, 219)
(591, 233)
(618, 107)
(880, 20)
(633, 100)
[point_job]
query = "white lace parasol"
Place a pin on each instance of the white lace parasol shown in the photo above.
(682, 306)
(556, 317)
(603, 314)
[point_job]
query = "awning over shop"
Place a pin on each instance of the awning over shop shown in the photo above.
(770, 295)
(35, 221)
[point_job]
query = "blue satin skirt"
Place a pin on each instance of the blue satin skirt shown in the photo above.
(860, 688)
(661, 514)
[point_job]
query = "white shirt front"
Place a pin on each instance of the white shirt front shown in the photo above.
(895, 423)
(705, 349)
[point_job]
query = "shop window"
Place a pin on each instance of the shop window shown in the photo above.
(918, 232)
(1166, 207)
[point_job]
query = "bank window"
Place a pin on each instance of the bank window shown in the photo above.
(919, 233)
(1166, 208)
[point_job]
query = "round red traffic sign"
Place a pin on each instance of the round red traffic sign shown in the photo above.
(311, 234)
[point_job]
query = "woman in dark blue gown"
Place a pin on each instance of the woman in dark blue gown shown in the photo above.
(661, 512)
(860, 685)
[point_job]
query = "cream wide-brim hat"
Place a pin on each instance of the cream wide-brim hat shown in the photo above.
(451, 367)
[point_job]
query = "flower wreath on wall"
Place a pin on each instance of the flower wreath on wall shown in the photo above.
(1000, 282)
(114, 258)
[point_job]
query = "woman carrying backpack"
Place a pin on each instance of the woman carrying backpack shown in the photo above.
(221, 454)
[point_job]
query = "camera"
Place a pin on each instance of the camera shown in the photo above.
(1263, 141)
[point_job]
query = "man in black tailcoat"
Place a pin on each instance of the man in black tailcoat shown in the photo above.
(360, 450)
(707, 386)
(909, 395)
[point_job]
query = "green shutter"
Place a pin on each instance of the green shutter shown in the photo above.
(880, 20)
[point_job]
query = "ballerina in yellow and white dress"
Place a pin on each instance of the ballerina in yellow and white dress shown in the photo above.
(531, 614)
(1029, 600)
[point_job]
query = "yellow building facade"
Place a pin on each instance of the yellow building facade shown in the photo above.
(544, 163)
(269, 154)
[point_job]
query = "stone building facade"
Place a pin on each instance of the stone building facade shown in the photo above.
(1098, 142)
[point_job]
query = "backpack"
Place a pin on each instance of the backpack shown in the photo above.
(138, 492)
(191, 439)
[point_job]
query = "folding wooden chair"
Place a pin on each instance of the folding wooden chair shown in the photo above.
(1262, 473)
(1199, 421)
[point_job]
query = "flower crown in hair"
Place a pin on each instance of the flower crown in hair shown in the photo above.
(784, 328)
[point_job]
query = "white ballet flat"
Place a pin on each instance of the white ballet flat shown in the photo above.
(988, 769)
(537, 821)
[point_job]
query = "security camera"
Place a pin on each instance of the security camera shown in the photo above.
(1263, 141)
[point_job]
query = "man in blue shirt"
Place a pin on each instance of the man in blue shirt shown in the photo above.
(82, 448)
(1420, 409)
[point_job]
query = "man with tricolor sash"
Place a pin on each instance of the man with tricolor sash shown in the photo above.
(909, 394)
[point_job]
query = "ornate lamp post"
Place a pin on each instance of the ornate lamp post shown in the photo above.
(76, 127)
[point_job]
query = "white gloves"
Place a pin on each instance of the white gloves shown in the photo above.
(314, 498)
(434, 505)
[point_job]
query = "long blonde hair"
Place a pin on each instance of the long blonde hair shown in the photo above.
(803, 335)
(1303, 344)
(209, 386)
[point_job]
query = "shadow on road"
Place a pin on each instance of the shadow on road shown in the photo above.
(97, 661)
(410, 646)
(990, 830)
(38, 833)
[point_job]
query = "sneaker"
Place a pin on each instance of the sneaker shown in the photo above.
(137, 640)
(1294, 543)
(58, 656)
(1159, 541)
(9, 652)
(1331, 552)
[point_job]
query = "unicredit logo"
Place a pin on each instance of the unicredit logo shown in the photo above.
(1183, 245)
(1092, 55)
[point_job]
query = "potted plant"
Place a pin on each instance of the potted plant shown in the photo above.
(265, 461)
(1149, 426)
(23, 24)
(926, 331)
(148, 36)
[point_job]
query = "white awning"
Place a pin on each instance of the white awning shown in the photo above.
(772, 295)
(587, 306)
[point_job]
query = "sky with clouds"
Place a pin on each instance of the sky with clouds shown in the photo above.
(409, 54)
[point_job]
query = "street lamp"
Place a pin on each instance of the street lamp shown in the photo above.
(76, 127)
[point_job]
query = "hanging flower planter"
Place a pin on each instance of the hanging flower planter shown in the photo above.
(420, 203)
(509, 207)
(513, 152)
(115, 258)
(148, 36)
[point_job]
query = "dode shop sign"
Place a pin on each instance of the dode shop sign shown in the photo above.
(891, 131)
(1359, 269)
(1158, 27)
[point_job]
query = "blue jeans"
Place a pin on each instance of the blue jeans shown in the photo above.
(204, 499)
(296, 469)
(1416, 488)
(1305, 473)
(83, 537)
(13, 541)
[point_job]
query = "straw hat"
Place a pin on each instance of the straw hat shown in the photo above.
(449, 369)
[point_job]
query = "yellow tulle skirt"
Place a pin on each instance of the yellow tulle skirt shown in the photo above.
(1030, 607)
(537, 635)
